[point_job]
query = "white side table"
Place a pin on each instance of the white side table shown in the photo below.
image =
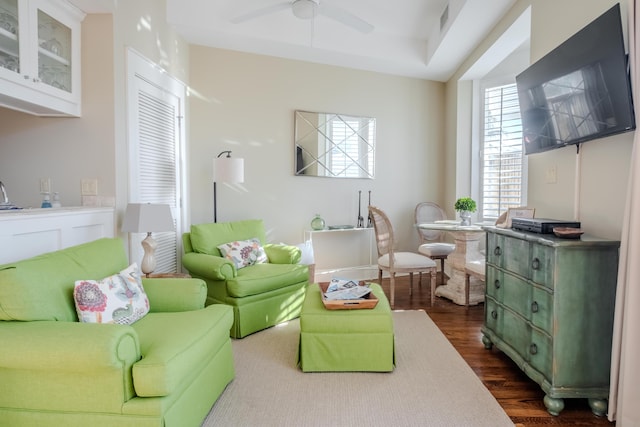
(344, 252)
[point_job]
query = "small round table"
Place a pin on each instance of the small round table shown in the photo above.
(467, 240)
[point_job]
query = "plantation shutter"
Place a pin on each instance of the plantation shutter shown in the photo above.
(157, 168)
(155, 103)
(502, 152)
(350, 154)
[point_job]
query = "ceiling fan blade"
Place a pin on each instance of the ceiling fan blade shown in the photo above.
(345, 17)
(261, 12)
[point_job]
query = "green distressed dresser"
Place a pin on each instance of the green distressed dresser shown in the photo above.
(549, 305)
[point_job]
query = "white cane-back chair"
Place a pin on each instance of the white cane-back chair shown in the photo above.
(398, 262)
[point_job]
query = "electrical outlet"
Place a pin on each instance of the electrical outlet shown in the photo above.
(89, 187)
(45, 185)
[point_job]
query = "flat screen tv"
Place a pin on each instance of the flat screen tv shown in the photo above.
(579, 91)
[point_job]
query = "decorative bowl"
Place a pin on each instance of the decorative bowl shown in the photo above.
(568, 232)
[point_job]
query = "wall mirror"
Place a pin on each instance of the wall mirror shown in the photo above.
(334, 145)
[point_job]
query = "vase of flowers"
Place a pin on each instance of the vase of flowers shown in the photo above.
(466, 206)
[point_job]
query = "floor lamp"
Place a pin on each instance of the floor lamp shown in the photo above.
(146, 218)
(226, 169)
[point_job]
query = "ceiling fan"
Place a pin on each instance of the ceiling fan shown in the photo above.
(309, 9)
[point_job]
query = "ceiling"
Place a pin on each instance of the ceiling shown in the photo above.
(407, 38)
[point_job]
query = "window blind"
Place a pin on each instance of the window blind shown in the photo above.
(502, 151)
(157, 168)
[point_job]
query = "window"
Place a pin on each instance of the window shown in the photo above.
(351, 152)
(502, 166)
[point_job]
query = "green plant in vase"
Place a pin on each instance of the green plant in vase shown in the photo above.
(465, 205)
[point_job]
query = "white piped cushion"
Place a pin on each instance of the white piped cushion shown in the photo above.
(436, 249)
(407, 260)
(476, 266)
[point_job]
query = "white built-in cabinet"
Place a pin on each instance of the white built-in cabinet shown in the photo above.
(30, 232)
(40, 57)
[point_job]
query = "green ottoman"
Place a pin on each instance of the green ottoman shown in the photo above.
(345, 340)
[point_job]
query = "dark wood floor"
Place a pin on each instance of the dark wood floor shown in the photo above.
(519, 396)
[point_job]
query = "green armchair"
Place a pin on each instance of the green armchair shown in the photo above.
(261, 295)
(166, 369)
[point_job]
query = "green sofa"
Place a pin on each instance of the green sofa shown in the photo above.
(166, 369)
(261, 295)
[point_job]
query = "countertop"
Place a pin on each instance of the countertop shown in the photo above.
(12, 213)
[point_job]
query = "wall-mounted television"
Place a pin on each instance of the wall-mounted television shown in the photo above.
(579, 91)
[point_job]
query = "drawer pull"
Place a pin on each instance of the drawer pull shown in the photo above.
(494, 314)
(533, 349)
(497, 251)
(497, 284)
(535, 264)
(534, 306)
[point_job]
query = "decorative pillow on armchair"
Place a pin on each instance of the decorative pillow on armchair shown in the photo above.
(244, 253)
(116, 299)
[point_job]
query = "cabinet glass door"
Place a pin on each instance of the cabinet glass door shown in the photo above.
(9, 41)
(54, 52)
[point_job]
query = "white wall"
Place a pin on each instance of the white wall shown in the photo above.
(246, 103)
(142, 26)
(605, 162)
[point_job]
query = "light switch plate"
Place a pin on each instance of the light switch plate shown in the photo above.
(89, 187)
(551, 175)
(45, 185)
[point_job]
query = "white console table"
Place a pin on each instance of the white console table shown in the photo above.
(345, 252)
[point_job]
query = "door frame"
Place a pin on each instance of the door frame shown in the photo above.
(140, 67)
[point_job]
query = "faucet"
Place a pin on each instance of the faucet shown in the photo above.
(3, 192)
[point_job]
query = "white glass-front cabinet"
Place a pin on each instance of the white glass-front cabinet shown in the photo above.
(40, 57)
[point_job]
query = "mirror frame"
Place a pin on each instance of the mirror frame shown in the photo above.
(332, 145)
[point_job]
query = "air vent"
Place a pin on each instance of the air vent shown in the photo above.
(444, 17)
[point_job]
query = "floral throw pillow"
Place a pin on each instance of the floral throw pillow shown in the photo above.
(244, 253)
(116, 299)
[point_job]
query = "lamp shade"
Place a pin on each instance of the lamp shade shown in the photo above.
(147, 217)
(228, 169)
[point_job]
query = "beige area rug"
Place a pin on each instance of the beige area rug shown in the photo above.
(431, 386)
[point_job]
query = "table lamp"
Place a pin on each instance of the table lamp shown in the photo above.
(226, 169)
(147, 218)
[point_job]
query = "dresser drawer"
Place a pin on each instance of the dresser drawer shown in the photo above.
(516, 294)
(493, 316)
(516, 332)
(508, 253)
(542, 309)
(494, 283)
(494, 253)
(543, 265)
(541, 353)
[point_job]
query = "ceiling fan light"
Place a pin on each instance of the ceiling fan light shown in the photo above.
(304, 9)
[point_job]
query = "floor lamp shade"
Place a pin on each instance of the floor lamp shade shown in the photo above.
(228, 169)
(147, 218)
(225, 169)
